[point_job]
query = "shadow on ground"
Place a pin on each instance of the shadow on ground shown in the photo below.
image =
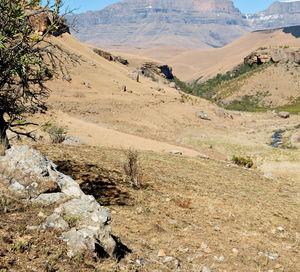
(294, 30)
(103, 184)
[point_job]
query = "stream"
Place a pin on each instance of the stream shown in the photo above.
(276, 139)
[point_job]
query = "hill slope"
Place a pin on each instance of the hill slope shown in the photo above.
(150, 115)
(192, 64)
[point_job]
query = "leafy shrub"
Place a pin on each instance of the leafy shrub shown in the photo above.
(57, 134)
(241, 161)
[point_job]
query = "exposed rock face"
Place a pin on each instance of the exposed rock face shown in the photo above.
(158, 22)
(110, 57)
(150, 69)
(274, 55)
(41, 20)
(279, 14)
(188, 23)
(85, 224)
(258, 58)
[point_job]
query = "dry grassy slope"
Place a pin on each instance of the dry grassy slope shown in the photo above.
(195, 210)
(276, 85)
(146, 119)
(191, 65)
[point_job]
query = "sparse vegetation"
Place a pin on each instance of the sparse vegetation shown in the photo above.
(3, 204)
(210, 88)
(131, 168)
(242, 161)
(293, 107)
(247, 103)
(57, 134)
(71, 219)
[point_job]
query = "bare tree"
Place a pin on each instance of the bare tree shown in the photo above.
(27, 60)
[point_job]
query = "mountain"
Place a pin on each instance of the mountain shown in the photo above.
(191, 23)
(279, 14)
(177, 23)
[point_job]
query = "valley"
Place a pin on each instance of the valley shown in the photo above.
(157, 156)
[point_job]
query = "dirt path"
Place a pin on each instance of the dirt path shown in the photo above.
(95, 135)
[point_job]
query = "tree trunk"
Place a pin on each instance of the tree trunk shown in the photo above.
(4, 143)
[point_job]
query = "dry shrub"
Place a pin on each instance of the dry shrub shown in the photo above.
(183, 203)
(57, 134)
(241, 161)
(131, 168)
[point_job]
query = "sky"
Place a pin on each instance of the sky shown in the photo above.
(245, 6)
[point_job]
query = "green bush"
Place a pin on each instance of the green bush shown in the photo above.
(241, 161)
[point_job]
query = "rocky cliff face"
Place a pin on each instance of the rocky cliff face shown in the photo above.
(279, 14)
(187, 23)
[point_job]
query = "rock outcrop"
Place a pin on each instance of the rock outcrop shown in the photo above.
(110, 57)
(41, 20)
(84, 223)
(279, 14)
(274, 55)
(150, 69)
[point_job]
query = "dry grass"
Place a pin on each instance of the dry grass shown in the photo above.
(192, 203)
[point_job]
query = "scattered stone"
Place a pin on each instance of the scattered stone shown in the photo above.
(168, 259)
(204, 246)
(159, 89)
(176, 152)
(219, 259)
(284, 114)
(71, 140)
(67, 78)
(202, 156)
(134, 75)
(235, 251)
(223, 113)
(203, 115)
(269, 176)
(217, 228)
(172, 85)
(86, 84)
(93, 64)
(280, 229)
(205, 269)
(123, 88)
(271, 256)
(161, 253)
(70, 254)
(295, 138)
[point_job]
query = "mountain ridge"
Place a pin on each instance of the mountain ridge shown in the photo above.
(191, 23)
